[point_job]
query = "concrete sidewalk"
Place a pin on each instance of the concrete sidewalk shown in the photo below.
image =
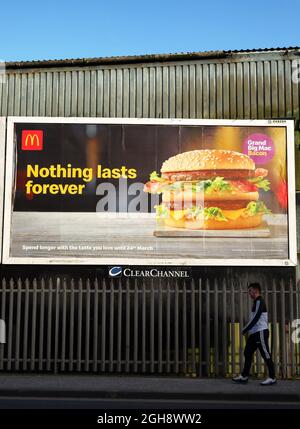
(145, 387)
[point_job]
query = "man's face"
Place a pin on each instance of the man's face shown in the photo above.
(252, 292)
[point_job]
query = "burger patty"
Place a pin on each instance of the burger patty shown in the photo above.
(225, 205)
(207, 174)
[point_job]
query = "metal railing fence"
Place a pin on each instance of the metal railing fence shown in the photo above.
(191, 327)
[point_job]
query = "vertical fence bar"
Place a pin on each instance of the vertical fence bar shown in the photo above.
(33, 325)
(200, 339)
(10, 324)
(49, 325)
(232, 329)
(160, 327)
(241, 319)
(274, 344)
(3, 308)
(25, 324)
(63, 326)
(87, 326)
(95, 333)
(71, 326)
(176, 326)
(127, 355)
(103, 326)
(267, 301)
(152, 328)
(56, 325)
(79, 325)
(184, 328)
(41, 328)
(282, 328)
(207, 328)
(119, 330)
(136, 327)
(216, 327)
(18, 325)
(168, 329)
(224, 329)
(111, 326)
(193, 323)
(259, 360)
(143, 327)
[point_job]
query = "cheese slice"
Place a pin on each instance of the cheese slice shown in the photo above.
(232, 214)
(178, 214)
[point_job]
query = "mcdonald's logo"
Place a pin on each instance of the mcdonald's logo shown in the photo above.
(32, 140)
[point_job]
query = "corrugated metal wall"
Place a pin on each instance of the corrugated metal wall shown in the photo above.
(244, 86)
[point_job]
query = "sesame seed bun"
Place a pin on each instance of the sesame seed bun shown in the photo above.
(207, 159)
(239, 223)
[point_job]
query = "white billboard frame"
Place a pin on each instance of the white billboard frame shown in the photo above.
(10, 147)
(2, 167)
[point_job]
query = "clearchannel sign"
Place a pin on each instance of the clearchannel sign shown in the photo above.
(152, 272)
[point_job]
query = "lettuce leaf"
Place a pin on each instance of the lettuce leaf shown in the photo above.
(162, 212)
(215, 185)
(260, 182)
(195, 212)
(219, 185)
(154, 177)
(201, 186)
(214, 213)
(200, 213)
(256, 207)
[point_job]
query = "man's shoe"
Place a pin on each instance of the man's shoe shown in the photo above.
(268, 381)
(240, 379)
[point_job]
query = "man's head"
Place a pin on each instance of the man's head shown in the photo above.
(254, 290)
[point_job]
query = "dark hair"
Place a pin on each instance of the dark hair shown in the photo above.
(255, 286)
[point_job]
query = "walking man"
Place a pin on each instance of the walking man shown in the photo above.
(258, 331)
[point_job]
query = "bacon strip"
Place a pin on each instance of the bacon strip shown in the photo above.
(153, 187)
(210, 174)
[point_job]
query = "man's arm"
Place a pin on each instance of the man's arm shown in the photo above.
(255, 318)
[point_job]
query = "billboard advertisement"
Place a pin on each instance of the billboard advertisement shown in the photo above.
(149, 192)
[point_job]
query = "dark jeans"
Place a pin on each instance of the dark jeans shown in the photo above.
(258, 340)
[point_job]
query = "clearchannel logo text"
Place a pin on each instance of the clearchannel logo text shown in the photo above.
(152, 272)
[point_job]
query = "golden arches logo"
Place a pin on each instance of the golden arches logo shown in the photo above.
(34, 140)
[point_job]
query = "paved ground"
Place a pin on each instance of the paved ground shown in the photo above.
(91, 391)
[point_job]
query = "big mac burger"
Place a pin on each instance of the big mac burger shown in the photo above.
(209, 189)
